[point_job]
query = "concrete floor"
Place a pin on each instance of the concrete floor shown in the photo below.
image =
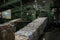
(52, 35)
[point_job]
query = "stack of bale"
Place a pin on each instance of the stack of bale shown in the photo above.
(7, 30)
(32, 31)
(13, 23)
(6, 33)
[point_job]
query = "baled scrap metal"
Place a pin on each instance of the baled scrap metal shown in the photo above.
(6, 32)
(32, 30)
(13, 23)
